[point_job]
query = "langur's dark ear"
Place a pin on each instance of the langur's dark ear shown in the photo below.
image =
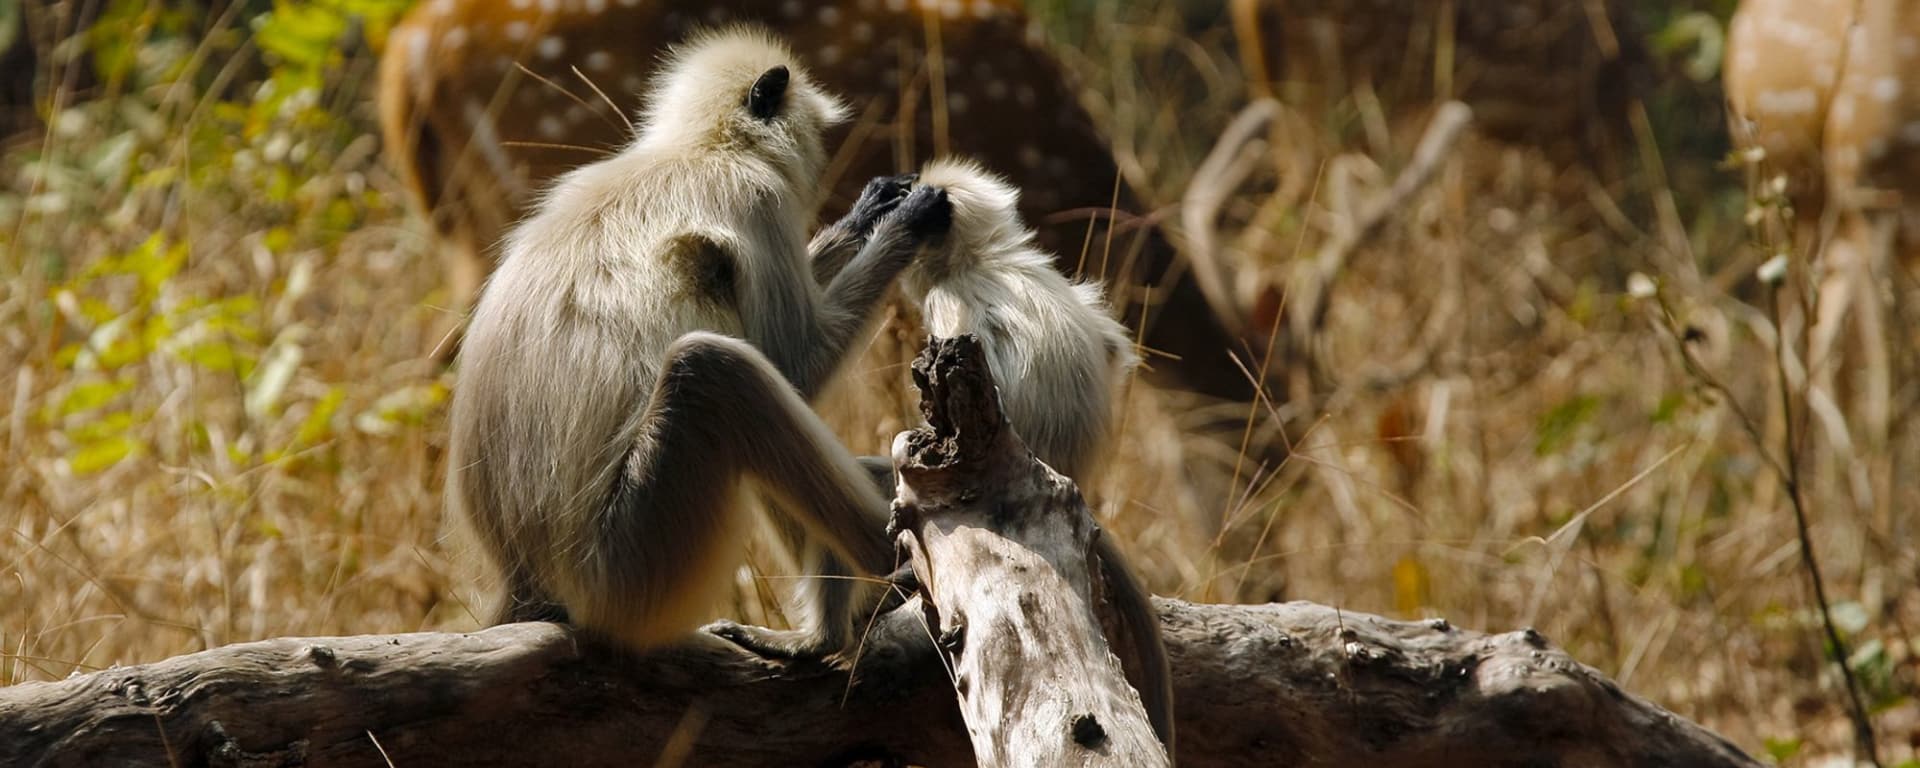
(767, 94)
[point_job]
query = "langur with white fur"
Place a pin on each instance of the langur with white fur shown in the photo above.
(647, 350)
(1058, 357)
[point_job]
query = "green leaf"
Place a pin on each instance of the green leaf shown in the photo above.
(90, 395)
(1669, 406)
(101, 455)
(318, 425)
(107, 427)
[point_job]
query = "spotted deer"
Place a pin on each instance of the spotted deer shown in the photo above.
(1820, 88)
(483, 102)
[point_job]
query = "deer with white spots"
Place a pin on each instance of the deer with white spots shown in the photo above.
(1823, 95)
(484, 102)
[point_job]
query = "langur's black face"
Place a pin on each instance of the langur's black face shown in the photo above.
(768, 94)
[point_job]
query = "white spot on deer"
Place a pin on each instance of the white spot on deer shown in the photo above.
(629, 3)
(829, 16)
(551, 127)
(454, 38)
(552, 46)
(550, 6)
(716, 14)
(416, 46)
(896, 6)
(443, 7)
(982, 9)
(595, 7)
(957, 103)
(1843, 110)
(1886, 89)
(1877, 148)
(1907, 47)
(1796, 101)
(1023, 93)
(599, 61)
(997, 89)
(830, 54)
(577, 114)
(522, 4)
(1824, 73)
(862, 32)
(792, 9)
(516, 30)
(632, 84)
(1030, 156)
(1910, 133)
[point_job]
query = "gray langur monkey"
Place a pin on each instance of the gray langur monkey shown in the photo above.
(1058, 357)
(647, 349)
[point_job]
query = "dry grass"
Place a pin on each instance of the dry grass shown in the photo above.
(1551, 464)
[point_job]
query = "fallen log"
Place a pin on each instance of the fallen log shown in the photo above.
(1257, 685)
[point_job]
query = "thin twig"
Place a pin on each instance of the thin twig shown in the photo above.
(1862, 720)
(621, 113)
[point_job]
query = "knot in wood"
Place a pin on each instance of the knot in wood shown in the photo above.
(1088, 732)
(1533, 637)
(322, 656)
(953, 639)
(135, 692)
(1439, 625)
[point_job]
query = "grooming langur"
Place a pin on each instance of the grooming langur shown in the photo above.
(1058, 357)
(647, 348)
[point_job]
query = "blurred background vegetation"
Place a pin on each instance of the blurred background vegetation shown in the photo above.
(1544, 394)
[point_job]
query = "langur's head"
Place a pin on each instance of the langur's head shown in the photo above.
(986, 209)
(739, 89)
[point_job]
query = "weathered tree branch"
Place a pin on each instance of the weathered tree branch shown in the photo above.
(1258, 685)
(1004, 550)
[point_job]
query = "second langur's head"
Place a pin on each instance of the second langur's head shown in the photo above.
(740, 89)
(986, 209)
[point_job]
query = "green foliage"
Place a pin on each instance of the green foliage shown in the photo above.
(1560, 425)
(196, 130)
(1782, 750)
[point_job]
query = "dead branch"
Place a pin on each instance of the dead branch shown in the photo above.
(1258, 685)
(1004, 550)
(1233, 158)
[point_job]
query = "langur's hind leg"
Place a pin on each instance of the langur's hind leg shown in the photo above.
(720, 410)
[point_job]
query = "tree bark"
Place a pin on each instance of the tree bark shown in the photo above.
(1258, 685)
(1003, 548)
